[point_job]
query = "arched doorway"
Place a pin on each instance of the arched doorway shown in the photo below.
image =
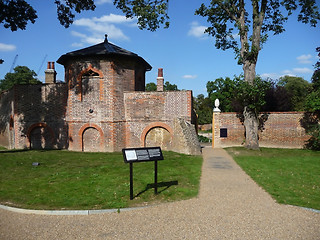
(158, 136)
(91, 139)
(40, 137)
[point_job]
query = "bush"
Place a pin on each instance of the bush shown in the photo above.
(203, 139)
(310, 122)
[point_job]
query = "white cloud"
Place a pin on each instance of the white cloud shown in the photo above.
(197, 30)
(302, 70)
(100, 2)
(113, 18)
(189, 76)
(7, 47)
(85, 39)
(287, 72)
(77, 34)
(305, 59)
(98, 27)
(77, 45)
(270, 75)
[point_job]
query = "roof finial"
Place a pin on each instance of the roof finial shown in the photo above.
(106, 38)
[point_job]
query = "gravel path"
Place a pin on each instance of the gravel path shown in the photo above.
(230, 206)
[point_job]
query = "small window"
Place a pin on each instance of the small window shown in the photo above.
(223, 132)
(90, 73)
(11, 123)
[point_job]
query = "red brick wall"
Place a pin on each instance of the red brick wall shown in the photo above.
(6, 113)
(31, 105)
(100, 108)
(147, 110)
(281, 129)
(107, 111)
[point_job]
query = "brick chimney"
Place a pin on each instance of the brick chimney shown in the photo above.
(50, 73)
(160, 80)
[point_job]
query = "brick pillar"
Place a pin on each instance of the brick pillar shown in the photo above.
(50, 73)
(160, 80)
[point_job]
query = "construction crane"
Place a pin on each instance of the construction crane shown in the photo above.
(13, 64)
(42, 64)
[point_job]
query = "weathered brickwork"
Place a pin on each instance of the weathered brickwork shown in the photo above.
(7, 119)
(37, 115)
(279, 129)
(96, 91)
(185, 137)
(101, 107)
(151, 120)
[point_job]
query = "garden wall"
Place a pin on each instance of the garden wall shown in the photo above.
(277, 129)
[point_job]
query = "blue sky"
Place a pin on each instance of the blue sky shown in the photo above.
(188, 57)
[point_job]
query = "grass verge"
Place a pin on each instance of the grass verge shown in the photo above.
(291, 176)
(75, 180)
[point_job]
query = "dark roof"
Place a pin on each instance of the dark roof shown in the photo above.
(102, 49)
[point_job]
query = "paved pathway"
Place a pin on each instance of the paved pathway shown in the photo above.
(230, 206)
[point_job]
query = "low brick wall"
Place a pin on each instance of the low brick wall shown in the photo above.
(278, 129)
(147, 111)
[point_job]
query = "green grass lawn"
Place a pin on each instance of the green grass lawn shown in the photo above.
(76, 180)
(291, 176)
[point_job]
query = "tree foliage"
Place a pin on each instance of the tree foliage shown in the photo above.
(151, 87)
(203, 107)
(277, 99)
(252, 24)
(311, 120)
(226, 18)
(252, 96)
(16, 14)
(21, 75)
(166, 87)
(266, 95)
(223, 89)
(150, 13)
(298, 89)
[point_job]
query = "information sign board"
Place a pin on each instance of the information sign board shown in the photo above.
(132, 155)
(142, 154)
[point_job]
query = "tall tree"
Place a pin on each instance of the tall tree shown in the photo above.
(298, 89)
(21, 75)
(227, 17)
(311, 120)
(203, 107)
(224, 90)
(313, 99)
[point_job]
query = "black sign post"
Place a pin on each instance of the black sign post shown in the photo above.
(131, 155)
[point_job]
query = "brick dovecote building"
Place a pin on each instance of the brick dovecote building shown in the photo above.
(102, 106)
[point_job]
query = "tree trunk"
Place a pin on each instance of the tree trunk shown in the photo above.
(251, 122)
(251, 127)
(249, 59)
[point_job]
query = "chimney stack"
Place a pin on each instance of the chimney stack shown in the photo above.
(160, 80)
(50, 73)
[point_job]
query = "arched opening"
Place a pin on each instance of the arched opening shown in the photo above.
(41, 137)
(90, 86)
(91, 139)
(158, 136)
(90, 83)
(11, 123)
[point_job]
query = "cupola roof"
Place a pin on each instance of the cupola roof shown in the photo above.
(102, 49)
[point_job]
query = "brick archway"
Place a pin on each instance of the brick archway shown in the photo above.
(39, 125)
(152, 126)
(86, 127)
(79, 81)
